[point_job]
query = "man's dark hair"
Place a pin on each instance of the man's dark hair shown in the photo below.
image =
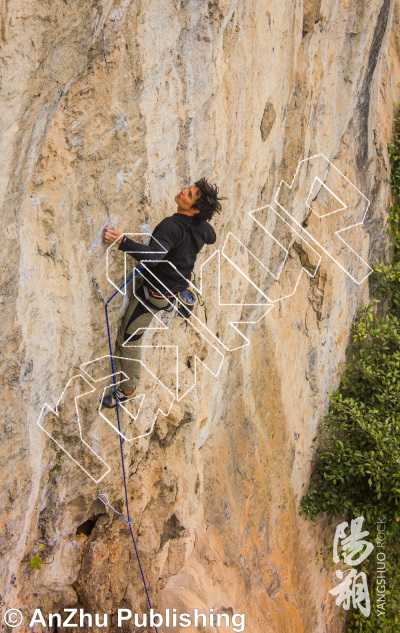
(208, 203)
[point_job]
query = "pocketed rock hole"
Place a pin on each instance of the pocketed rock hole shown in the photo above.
(87, 526)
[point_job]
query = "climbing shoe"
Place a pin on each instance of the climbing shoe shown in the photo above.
(109, 400)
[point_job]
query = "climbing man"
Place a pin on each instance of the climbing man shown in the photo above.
(173, 248)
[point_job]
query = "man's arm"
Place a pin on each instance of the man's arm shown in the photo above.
(162, 240)
(155, 250)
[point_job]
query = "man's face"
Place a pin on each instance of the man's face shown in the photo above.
(187, 198)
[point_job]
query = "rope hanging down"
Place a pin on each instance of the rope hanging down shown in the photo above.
(129, 519)
(101, 496)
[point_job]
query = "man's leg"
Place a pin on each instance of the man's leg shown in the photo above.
(137, 317)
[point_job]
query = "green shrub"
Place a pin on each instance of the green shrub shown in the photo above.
(357, 470)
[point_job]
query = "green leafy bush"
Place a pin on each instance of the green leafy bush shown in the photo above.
(358, 460)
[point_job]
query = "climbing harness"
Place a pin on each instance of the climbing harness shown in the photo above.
(147, 292)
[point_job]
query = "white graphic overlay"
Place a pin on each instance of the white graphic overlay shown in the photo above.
(321, 213)
(353, 590)
(13, 617)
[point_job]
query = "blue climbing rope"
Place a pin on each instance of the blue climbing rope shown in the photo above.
(128, 520)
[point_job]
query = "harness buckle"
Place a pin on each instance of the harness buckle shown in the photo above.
(146, 292)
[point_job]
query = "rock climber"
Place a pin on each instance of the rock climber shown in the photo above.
(176, 240)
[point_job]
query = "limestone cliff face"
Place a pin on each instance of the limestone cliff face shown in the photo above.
(108, 110)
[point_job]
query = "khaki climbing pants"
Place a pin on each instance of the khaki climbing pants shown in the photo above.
(137, 317)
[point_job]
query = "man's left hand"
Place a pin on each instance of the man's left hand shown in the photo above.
(111, 235)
